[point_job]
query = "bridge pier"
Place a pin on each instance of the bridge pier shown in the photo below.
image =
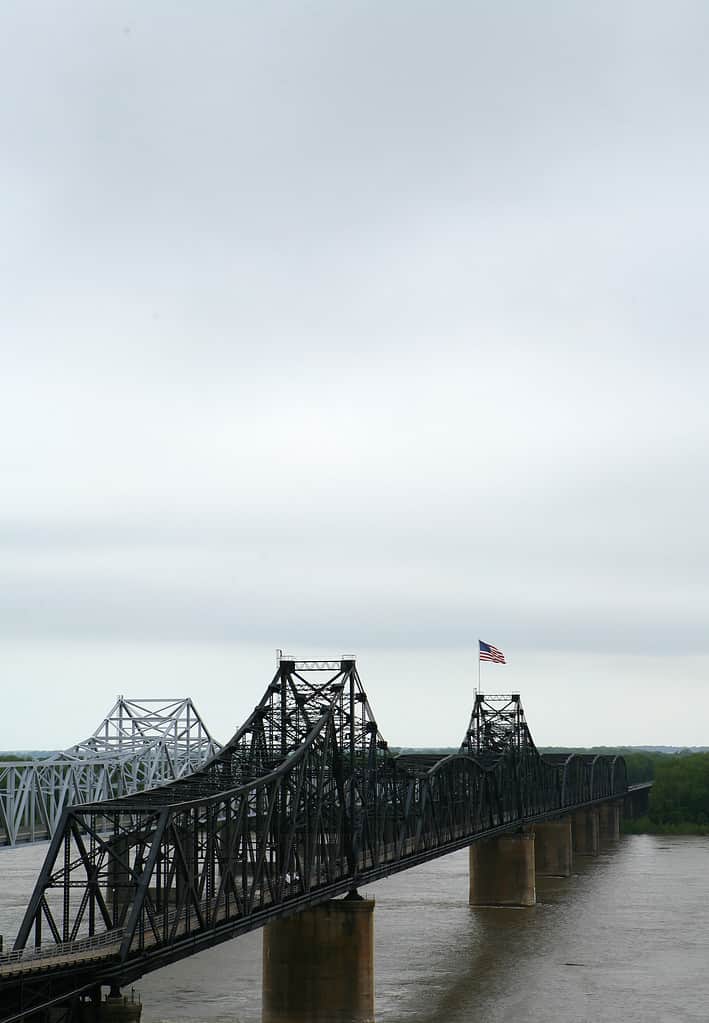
(610, 821)
(553, 848)
(586, 832)
(502, 871)
(114, 1008)
(318, 965)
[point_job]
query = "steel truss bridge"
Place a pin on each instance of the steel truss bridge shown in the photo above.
(306, 802)
(139, 745)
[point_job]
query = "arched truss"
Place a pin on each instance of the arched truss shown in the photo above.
(304, 803)
(140, 744)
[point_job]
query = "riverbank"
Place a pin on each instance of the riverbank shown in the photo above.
(645, 826)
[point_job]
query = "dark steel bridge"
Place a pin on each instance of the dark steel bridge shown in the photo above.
(305, 802)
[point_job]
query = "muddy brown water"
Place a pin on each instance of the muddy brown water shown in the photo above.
(625, 939)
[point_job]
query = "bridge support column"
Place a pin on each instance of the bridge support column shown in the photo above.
(115, 1008)
(318, 966)
(586, 832)
(610, 822)
(553, 848)
(502, 871)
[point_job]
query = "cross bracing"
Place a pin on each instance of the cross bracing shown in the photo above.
(304, 803)
(138, 745)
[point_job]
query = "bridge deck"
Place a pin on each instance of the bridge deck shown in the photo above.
(107, 946)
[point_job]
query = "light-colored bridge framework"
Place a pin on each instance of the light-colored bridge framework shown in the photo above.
(138, 745)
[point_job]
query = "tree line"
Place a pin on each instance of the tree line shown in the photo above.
(679, 798)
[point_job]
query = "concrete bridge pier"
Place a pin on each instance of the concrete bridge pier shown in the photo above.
(586, 831)
(502, 871)
(553, 848)
(114, 1008)
(610, 821)
(318, 965)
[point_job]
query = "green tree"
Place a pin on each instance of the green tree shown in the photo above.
(680, 793)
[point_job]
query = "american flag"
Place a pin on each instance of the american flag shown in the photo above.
(491, 653)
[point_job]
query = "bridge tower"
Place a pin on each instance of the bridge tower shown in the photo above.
(502, 868)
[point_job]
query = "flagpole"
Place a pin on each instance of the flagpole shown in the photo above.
(478, 689)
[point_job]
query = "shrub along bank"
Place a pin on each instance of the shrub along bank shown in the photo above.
(679, 798)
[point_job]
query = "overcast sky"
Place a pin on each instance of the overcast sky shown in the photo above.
(355, 327)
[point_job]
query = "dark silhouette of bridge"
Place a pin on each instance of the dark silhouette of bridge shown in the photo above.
(305, 803)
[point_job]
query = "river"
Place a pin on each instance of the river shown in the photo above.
(626, 938)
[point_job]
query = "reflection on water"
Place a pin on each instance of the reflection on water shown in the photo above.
(623, 939)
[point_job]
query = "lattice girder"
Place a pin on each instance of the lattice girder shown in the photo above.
(304, 802)
(139, 745)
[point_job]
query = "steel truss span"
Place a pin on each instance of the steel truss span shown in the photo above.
(304, 803)
(140, 744)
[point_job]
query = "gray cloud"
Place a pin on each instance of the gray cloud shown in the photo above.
(355, 326)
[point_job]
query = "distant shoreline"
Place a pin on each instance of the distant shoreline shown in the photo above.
(644, 826)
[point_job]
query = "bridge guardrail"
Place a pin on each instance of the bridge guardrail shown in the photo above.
(56, 949)
(114, 937)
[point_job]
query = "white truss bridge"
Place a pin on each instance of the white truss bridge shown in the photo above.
(140, 744)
